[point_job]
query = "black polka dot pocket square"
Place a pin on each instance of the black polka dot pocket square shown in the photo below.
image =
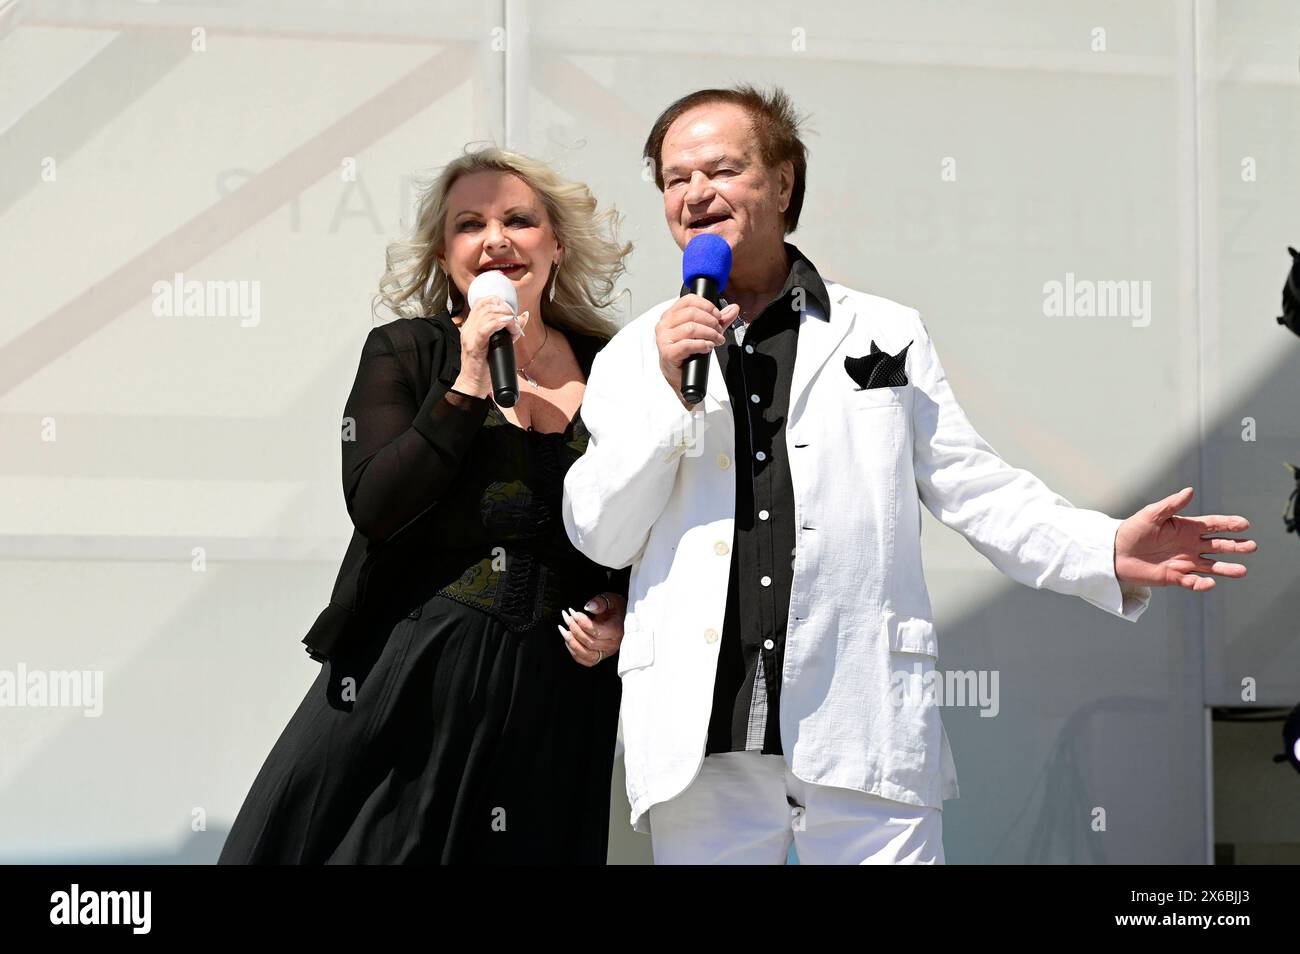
(879, 368)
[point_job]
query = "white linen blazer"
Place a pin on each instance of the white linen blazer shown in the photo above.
(655, 490)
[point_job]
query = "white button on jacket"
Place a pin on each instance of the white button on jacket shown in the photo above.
(655, 491)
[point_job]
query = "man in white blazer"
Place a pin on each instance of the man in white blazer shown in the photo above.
(851, 426)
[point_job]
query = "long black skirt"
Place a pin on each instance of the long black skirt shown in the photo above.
(461, 741)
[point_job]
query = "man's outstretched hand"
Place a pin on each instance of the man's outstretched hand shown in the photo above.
(1156, 547)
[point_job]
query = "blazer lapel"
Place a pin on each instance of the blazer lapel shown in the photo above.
(818, 339)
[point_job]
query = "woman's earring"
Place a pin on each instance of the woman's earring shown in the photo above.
(555, 277)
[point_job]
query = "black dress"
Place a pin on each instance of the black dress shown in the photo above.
(471, 733)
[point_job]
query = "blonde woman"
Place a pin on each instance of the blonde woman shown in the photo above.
(451, 722)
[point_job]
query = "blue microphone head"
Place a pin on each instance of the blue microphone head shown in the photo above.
(707, 256)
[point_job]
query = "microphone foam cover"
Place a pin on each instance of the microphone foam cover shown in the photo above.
(707, 256)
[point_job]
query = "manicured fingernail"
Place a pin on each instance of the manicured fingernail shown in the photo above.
(563, 632)
(589, 606)
(566, 615)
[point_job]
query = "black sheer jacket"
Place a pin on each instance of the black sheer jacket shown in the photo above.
(405, 437)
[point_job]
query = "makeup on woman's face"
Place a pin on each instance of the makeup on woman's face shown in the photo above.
(495, 222)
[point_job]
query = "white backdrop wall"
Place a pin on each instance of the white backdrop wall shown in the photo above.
(172, 514)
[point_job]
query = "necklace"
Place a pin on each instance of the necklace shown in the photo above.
(524, 369)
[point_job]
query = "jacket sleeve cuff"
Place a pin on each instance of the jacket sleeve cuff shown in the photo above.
(1098, 584)
(449, 418)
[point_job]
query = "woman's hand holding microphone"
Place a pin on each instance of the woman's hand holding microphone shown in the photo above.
(486, 318)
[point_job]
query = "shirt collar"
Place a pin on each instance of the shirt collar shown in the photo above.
(804, 274)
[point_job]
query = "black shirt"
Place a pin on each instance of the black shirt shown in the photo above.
(758, 363)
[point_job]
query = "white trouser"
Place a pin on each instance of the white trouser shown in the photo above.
(746, 808)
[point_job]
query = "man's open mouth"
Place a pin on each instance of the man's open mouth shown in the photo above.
(704, 221)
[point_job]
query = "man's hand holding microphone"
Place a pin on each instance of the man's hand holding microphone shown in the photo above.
(694, 324)
(691, 325)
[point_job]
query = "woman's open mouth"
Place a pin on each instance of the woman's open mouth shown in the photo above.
(509, 269)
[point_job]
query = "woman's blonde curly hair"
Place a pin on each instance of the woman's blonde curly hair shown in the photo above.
(415, 286)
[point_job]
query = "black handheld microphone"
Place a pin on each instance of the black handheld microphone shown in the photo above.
(501, 346)
(706, 266)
